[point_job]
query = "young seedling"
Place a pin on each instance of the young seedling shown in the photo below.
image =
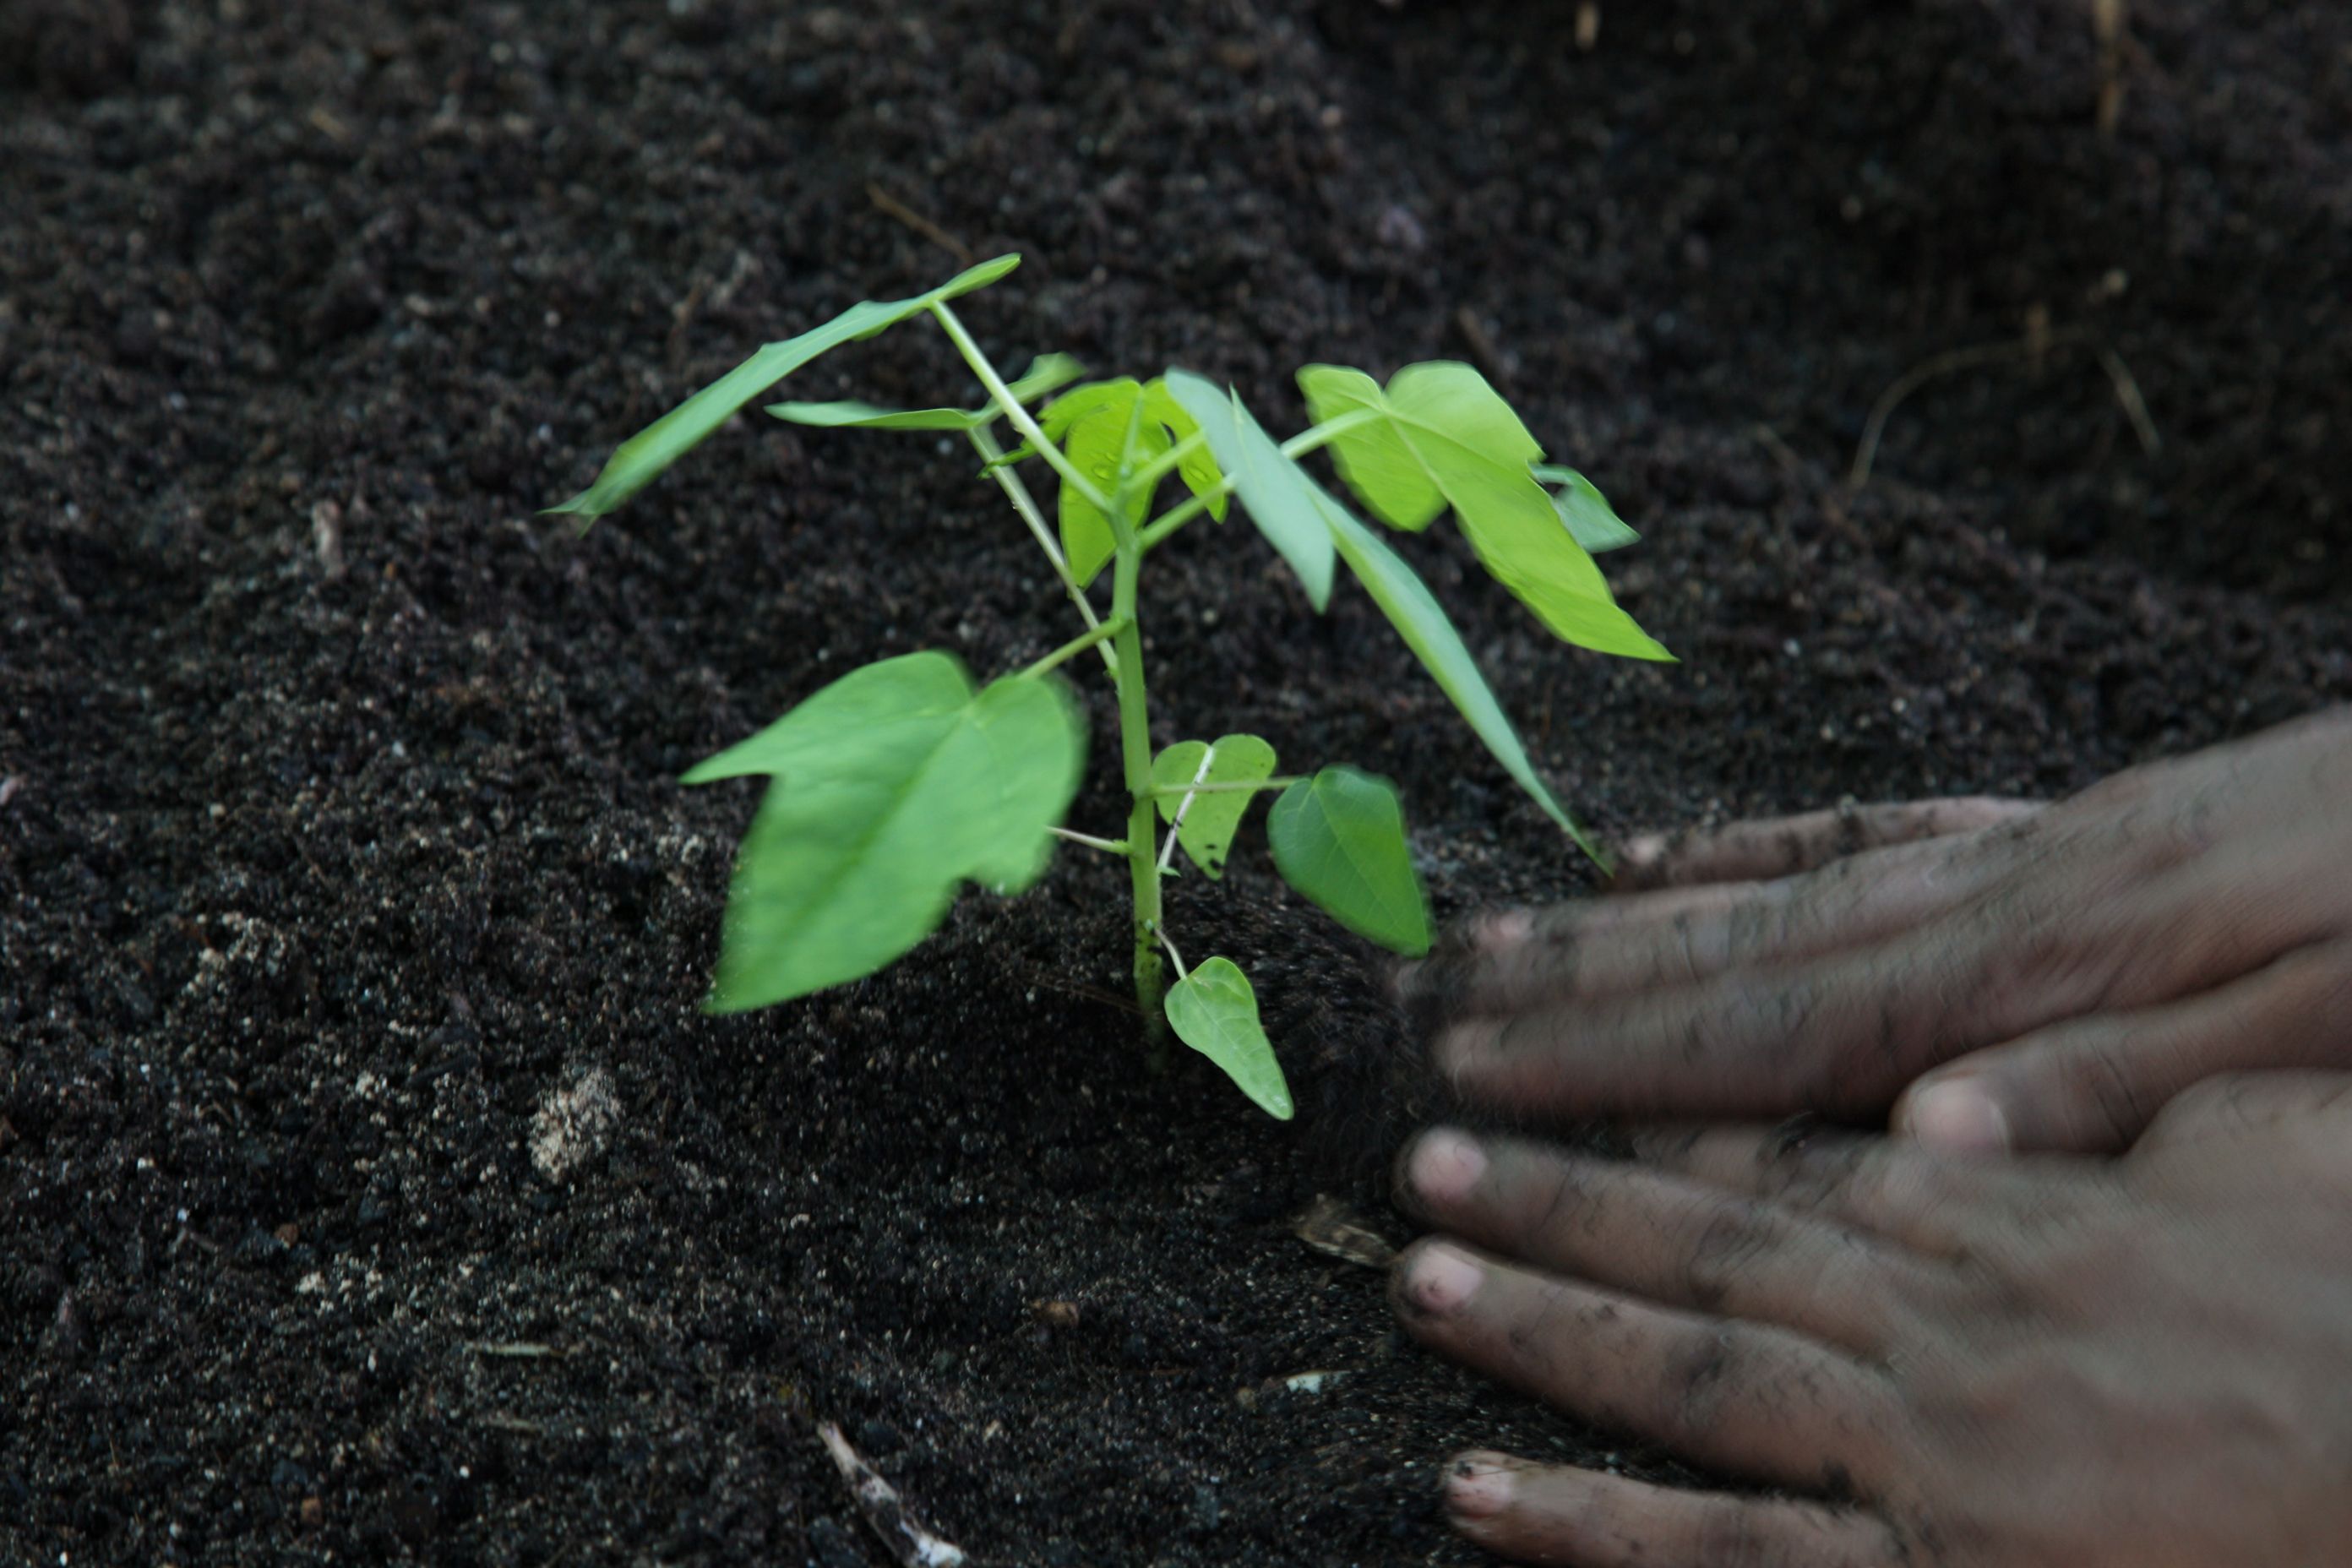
(900, 781)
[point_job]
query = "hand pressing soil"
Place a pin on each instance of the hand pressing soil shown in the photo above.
(2019, 976)
(1981, 1364)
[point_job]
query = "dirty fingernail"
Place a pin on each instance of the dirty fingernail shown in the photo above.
(1445, 1165)
(1958, 1116)
(1478, 1485)
(1442, 1281)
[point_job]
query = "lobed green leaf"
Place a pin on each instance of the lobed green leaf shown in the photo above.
(1277, 492)
(657, 446)
(1214, 1011)
(893, 785)
(1211, 820)
(1442, 436)
(1339, 837)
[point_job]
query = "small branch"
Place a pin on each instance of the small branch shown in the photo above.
(1108, 846)
(1016, 490)
(1169, 792)
(1101, 633)
(901, 1533)
(2128, 393)
(919, 223)
(2033, 345)
(1002, 396)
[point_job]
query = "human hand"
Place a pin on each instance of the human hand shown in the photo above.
(2056, 974)
(2027, 1363)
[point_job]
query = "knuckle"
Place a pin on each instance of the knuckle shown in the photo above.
(2104, 1085)
(1725, 1251)
(1701, 1380)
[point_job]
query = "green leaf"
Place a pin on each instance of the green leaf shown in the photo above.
(1093, 397)
(1199, 471)
(668, 438)
(1339, 837)
(1278, 494)
(1097, 444)
(892, 785)
(1418, 617)
(1442, 436)
(1592, 520)
(1211, 820)
(1214, 1011)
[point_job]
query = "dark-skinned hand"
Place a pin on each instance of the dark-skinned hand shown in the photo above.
(2046, 1361)
(2021, 976)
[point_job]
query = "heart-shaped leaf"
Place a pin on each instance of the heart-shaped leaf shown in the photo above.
(1339, 837)
(1442, 436)
(1209, 820)
(671, 437)
(1214, 1011)
(892, 785)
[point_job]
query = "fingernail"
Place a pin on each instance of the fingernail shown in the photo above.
(1444, 1166)
(1462, 1046)
(1956, 1116)
(1441, 1281)
(1478, 1486)
(1509, 929)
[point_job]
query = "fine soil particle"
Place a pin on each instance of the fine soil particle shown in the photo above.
(372, 1188)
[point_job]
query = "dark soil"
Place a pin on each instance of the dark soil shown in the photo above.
(338, 834)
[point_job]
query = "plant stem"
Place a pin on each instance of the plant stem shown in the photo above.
(1017, 490)
(1148, 475)
(1002, 396)
(1101, 633)
(1108, 846)
(1299, 446)
(1170, 791)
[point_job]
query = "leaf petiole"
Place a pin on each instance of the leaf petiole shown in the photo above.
(1016, 491)
(1101, 633)
(1174, 956)
(1299, 446)
(1002, 396)
(1108, 846)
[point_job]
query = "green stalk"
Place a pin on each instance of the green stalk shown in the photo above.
(1299, 446)
(1134, 752)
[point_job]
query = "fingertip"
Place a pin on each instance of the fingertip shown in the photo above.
(1435, 1280)
(1442, 1168)
(1958, 1116)
(1479, 1485)
(1494, 933)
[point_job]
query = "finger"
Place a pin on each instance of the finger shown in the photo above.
(1739, 1396)
(1925, 1200)
(1780, 846)
(2092, 1084)
(1601, 947)
(1583, 1519)
(1665, 1239)
(2249, 1105)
